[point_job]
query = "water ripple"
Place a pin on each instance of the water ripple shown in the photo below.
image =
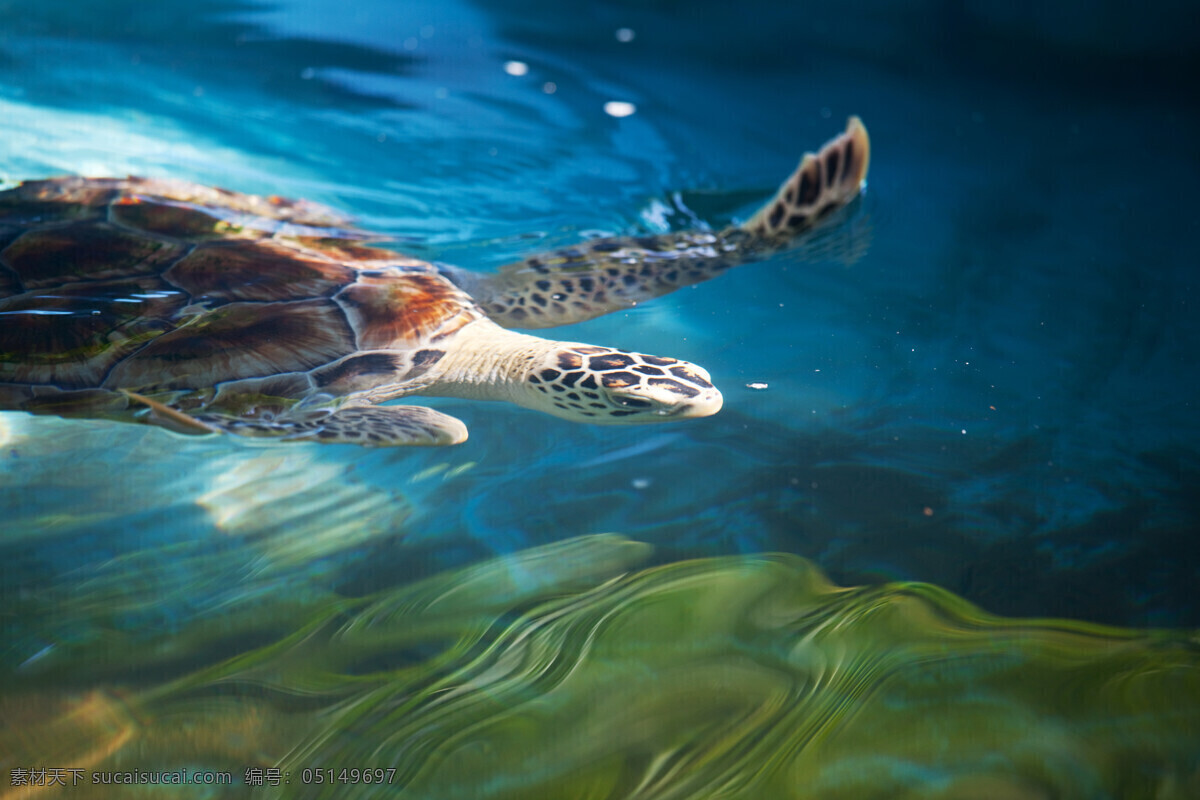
(558, 672)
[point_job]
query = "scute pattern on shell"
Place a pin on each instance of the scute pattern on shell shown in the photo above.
(238, 340)
(72, 336)
(163, 285)
(85, 251)
(220, 270)
(434, 309)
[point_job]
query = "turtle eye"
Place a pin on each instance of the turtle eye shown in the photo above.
(633, 402)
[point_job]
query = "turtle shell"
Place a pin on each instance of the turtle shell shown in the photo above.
(157, 286)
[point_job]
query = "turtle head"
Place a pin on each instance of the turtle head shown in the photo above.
(601, 385)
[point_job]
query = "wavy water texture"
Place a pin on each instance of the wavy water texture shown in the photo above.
(559, 672)
(997, 397)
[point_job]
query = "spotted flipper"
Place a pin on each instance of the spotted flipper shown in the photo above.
(822, 183)
(606, 275)
(372, 426)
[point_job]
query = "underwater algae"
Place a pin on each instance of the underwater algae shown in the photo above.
(565, 671)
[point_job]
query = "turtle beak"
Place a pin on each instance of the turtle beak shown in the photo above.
(699, 398)
(705, 404)
(708, 403)
(668, 403)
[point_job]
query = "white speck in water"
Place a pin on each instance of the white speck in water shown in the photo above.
(625, 34)
(549, 87)
(641, 483)
(619, 108)
(426, 31)
(492, 151)
(758, 386)
(307, 74)
(441, 93)
(826, 112)
(964, 430)
(411, 43)
(517, 68)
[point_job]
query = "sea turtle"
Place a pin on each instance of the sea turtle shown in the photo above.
(207, 310)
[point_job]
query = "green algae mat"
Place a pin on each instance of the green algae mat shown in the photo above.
(573, 671)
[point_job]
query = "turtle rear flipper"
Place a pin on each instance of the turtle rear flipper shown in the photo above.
(605, 275)
(372, 426)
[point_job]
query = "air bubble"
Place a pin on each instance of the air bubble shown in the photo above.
(619, 108)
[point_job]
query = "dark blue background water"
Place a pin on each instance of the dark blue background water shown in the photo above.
(999, 395)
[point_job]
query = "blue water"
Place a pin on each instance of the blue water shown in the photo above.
(1014, 352)
(994, 389)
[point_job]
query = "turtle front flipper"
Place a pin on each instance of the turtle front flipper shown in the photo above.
(370, 426)
(823, 182)
(605, 275)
